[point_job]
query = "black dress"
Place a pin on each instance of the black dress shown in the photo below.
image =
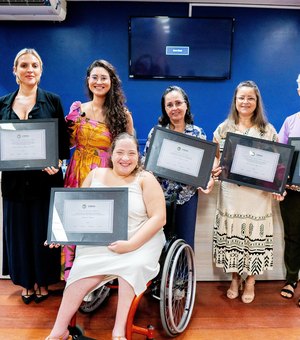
(26, 196)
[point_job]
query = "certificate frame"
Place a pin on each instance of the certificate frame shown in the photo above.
(294, 175)
(170, 146)
(28, 144)
(75, 216)
(256, 163)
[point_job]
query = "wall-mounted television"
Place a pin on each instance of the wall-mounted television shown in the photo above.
(180, 47)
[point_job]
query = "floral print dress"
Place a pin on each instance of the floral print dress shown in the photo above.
(91, 141)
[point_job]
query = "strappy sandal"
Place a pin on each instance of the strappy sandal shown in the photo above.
(249, 296)
(288, 291)
(235, 287)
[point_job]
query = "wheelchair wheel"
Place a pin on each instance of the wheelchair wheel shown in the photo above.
(178, 288)
(94, 299)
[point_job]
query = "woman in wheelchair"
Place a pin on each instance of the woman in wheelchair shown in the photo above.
(134, 261)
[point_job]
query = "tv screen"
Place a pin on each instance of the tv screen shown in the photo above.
(174, 47)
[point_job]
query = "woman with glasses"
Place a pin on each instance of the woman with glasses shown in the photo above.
(176, 115)
(92, 127)
(243, 227)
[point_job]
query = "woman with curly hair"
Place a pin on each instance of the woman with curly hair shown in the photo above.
(92, 127)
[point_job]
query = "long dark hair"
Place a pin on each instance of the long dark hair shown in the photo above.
(164, 119)
(114, 105)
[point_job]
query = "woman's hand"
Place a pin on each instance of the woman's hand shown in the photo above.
(279, 197)
(120, 247)
(293, 187)
(51, 245)
(215, 173)
(51, 170)
(209, 187)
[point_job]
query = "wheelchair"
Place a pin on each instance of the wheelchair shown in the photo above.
(174, 287)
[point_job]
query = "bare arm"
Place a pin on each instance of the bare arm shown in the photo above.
(129, 127)
(156, 209)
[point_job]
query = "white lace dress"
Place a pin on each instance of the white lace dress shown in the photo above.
(137, 267)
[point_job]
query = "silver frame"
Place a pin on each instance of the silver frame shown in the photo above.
(204, 174)
(51, 131)
(283, 165)
(120, 214)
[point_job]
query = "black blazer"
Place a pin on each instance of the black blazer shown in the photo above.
(35, 184)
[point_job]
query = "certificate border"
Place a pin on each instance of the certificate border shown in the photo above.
(281, 175)
(50, 126)
(294, 177)
(120, 214)
(204, 174)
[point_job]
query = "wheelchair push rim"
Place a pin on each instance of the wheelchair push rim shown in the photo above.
(178, 288)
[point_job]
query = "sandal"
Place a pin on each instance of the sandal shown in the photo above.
(249, 297)
(288, 291)
(235, 286)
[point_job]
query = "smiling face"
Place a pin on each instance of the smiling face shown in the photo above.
(28, 70)
(246, 101)
(175, 107)
(125, 157)
(99, 81)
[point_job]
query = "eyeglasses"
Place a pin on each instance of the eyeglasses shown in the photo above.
(101, 79)
(176, 104)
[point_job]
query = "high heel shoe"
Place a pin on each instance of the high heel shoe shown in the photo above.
(235, 286)
(65, 336)
(248, 297)
(27, 298)
(39, 297)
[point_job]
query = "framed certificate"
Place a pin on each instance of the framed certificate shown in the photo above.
(256, 162)
(96, 216)
(294, 176)
(180, 157)
(28, 144)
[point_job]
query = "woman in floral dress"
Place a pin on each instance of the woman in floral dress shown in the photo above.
(92, 127)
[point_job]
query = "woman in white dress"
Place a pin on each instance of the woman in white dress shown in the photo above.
(135, 261)
(243, 227)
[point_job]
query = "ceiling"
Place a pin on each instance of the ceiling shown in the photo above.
(290, 4)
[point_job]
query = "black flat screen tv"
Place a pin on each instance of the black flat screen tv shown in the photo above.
(177, 47)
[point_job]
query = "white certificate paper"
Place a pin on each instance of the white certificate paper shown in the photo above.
(255, 163)
(180, 157)
(23, 144)
(88, 216)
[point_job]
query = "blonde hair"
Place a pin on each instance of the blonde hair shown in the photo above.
(27, 51)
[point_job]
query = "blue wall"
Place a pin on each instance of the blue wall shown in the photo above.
(266, 49)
